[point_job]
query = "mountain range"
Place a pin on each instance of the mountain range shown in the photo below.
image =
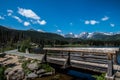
(93, 35)
(52, 36)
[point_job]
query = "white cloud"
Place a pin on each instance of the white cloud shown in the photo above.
(17, 18)
(28, 13)
(105, 18)
(59, 31)
(43, 22)
(9, 12)
(2, 18)
(87, 22)
(26, 23)
(112, 25)
(92, 22)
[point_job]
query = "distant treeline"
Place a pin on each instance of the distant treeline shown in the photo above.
(95, 42)
(12, 36)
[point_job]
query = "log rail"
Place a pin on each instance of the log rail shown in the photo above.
(111, 54)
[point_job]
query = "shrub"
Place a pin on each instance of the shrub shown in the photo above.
(100, 77)
(24, 45)
(46, 67)
(24, 66)
(2, 69)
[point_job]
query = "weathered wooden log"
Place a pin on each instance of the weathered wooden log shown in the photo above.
(95, 57)
(86, 50)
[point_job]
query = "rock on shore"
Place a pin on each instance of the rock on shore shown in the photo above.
(16, 71)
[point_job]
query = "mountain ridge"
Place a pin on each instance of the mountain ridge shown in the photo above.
(53, 36)
(93, 35)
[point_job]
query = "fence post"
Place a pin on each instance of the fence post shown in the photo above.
(110, 67)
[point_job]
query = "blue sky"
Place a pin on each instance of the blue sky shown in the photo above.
(61, 16)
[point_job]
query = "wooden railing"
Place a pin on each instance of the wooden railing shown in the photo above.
(87, 55)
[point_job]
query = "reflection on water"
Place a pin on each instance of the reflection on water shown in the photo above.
(70, 75)
(80, 75)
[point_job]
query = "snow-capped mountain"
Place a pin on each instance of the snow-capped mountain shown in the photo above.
(97, 35)
(83, 35)
(70, 35)
(93, 35)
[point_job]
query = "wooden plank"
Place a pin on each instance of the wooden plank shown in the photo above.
(86, 50)
(110, 68)
(94, 57)
(115, 61)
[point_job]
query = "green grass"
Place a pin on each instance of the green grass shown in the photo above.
(47, 67)
(100, 77)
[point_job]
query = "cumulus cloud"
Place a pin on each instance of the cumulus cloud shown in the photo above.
(9, 12)
(28, 13)
(105, 18)
(87, 22)
(2, 18)
(17, 18)
(59, 31)
(43, 22)
(112, 25)
(26, 23)
(92, 22)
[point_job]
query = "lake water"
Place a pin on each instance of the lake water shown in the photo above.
(71, 74)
